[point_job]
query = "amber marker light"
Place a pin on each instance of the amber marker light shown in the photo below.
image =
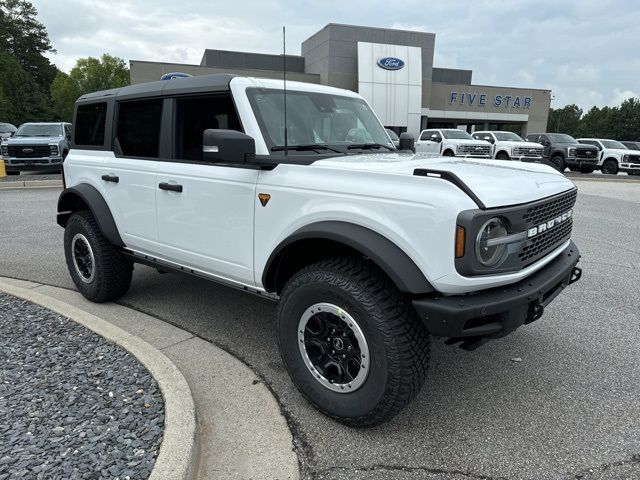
(460, 238)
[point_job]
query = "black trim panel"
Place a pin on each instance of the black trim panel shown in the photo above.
(384, 253)
(453, 178)
(68, 203)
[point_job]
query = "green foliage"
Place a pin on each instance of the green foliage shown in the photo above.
(21, 100)
(564, 120)
(88, 75)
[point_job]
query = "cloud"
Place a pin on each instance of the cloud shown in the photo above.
(584, 51)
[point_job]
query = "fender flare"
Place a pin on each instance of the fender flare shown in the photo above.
(383, 252)
(74, 198)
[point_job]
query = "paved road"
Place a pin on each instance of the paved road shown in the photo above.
(569, 409)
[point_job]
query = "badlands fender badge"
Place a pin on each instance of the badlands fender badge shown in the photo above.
(264, 198)
(554, 222)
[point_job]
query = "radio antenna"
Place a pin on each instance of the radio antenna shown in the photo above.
(284, 78)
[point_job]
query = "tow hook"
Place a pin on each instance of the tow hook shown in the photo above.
(535, 312)
(575, 275)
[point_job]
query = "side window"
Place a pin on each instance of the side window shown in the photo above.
(194, 115)
(90, 124)
(138, 128)
(426, 135)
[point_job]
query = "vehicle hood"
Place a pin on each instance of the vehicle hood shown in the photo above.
(620, 151)
(32, 140)
(495, 184)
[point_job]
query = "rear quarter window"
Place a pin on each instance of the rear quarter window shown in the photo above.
(90, 124)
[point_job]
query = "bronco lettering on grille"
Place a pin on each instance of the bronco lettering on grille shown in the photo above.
(532, 232)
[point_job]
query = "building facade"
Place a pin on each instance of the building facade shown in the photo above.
(392, 69)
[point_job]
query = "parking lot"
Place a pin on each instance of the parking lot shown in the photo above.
(558, 399)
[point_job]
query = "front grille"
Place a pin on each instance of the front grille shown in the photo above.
(546, 211)
(634, 158)
(582, 152)
(474, 149)
(546, 242)
(33, 151)
(527, 151)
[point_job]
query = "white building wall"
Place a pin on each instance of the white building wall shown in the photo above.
(395, 95)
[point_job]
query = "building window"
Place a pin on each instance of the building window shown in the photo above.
(90, 124)
(195, 115)
(138, 131)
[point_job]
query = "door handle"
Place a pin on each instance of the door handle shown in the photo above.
(111, 178)
(173, 187)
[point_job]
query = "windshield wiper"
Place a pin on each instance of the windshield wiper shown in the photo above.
(301, 148)
(369, 146)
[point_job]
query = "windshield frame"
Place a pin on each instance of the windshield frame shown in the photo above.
(446, 132)
(616, 144)
(382, 138)
(26, 126)
(517, 138)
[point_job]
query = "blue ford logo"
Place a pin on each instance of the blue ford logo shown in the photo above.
(390, 63)
(172, 75)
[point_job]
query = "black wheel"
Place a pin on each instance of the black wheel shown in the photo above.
(609, 167)
(12, 172)
(98, 269)
(587, 168)
(502, 156)
(448, 153)
(64, 155)
(558, 163)
(351, 342)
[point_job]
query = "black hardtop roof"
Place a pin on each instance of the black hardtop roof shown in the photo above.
(217, 82)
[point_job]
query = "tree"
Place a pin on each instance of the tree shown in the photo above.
(26, 39)
(88, 75)
(20, 98)
(628, 124)
(565, 119)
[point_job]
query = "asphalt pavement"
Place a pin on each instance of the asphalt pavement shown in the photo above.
(569, 409)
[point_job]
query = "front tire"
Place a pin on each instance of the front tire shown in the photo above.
(12, 172)
(502, 156)
(558, 163)
(351, 342)
(609, 167)
(448, 153)
(98, 269)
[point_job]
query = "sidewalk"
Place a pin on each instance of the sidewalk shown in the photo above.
(240, 430)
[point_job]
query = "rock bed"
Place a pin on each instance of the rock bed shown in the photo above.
(72, 404)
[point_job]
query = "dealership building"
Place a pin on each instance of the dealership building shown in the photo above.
(392, 69)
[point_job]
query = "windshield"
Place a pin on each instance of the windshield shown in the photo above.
(613, 144)
(392, 134)
(46, 130)
(457, 134)
(315, 119)
(508, 136)
(561, 138)
(7, 128)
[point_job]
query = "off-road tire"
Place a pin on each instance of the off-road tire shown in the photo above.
(113, 270)
(503, 156)
(557, 162)
(609, 167)
(448, 153)
(587, 169)
(398, 342)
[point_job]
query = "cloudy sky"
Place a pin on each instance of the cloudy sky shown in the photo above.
(585, 51)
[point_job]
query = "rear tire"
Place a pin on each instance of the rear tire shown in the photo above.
(348, 305)
(609, 167)
(99, 270)
(587, 169)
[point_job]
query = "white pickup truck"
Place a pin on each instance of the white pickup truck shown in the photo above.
(368, 250)
(451, 142)
(509, 146)
(613, 156)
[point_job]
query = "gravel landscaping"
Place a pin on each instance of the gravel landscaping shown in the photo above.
(72, 405)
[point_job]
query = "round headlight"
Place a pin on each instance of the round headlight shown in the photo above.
(489, 254)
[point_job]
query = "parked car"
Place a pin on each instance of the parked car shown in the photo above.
(36, 146)
(613, 156)
(368, 250)
(393, 136)
(561, 151)
(6, 130)
(509, 146)
(631, 145)
(451, 142)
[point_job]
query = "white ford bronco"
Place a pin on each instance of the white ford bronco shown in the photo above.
(368, 250)
(451, 142)
(509, 146)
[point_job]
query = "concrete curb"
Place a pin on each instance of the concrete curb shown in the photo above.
(179, 448)
(30, 184)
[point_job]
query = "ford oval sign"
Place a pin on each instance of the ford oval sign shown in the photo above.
(172, 75)
(390, 63)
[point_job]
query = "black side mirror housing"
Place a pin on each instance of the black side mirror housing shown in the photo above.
(407, 142)
(227, 146)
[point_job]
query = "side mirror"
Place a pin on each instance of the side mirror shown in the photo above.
(68, 136)
(407, 142)
(434, 138)
(227, 146)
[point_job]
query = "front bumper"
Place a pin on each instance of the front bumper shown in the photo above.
(527, 159)
(466, 155)
(476, 318)
(629, 167)
(22, 164)
(579, 162)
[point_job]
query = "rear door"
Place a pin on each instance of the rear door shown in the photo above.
(128, 178)
(205, 212)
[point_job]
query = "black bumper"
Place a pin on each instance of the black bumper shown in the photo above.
(493, 313)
